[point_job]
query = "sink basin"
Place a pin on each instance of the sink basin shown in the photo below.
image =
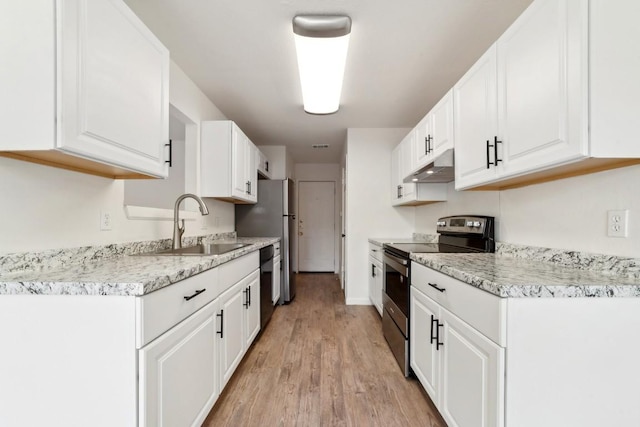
(210, 249)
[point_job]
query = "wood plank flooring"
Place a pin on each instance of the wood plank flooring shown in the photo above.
(322, 363)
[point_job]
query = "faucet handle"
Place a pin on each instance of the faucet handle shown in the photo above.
(181, 227)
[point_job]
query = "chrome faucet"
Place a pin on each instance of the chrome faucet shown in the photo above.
(178, 230)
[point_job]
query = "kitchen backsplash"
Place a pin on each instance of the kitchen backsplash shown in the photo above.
(60, 258)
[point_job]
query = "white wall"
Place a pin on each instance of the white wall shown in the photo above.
(48, 208)
(564, 214)
(369, 212)
(321, 172)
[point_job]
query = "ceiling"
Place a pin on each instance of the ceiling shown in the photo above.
(403, 57)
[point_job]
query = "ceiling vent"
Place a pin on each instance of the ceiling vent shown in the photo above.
(320, 145)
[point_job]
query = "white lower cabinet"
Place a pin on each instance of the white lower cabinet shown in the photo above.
(277, 277)
(232, 334)
(423, 355)
(375, 283)
(472, 375)
(252, 307)
(375, 276)
(239, 314)
(178, 372)
(460, 369)
(161, 359)
(571, 361)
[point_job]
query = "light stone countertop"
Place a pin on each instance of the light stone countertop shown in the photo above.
(512, 277)
(124, 275)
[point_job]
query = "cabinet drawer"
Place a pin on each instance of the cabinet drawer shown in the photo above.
(375, 251)
(159, 311)
(483, 311)
(234, 271)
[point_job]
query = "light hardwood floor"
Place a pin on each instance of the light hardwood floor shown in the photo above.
(322, 363)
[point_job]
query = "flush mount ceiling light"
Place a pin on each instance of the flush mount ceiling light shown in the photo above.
(321, 44)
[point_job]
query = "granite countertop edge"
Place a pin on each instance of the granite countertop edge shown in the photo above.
(130, 275)
(509, 277)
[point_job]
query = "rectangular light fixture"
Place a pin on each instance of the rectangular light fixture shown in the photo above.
(322, 42)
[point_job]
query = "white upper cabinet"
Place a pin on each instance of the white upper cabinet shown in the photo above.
(411, 194)
(434, 133)
(476, 121)
(87, 88)
(539, 105)
(264, 168)
(421, 151)
(227, 163)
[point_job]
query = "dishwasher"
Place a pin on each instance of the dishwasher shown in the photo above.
(266, 285)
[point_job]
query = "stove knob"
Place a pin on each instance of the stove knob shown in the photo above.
(469, 223)
(476, 224)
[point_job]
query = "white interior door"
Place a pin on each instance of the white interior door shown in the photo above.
(316, 226)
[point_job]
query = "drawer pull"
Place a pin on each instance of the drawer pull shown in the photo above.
(221, 316)
(198, 292)
(435, 286)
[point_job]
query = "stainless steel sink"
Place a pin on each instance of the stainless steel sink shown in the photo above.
(210, 249)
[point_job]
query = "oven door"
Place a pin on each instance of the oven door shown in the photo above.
(396, 290)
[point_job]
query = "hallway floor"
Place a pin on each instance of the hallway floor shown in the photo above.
(322, 363)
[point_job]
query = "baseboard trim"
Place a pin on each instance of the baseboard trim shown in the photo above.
(358, 301)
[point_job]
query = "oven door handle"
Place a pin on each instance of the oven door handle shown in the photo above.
(397, 259)
(398, 264)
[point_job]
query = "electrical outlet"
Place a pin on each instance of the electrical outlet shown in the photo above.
(105, 220)
(617, 223)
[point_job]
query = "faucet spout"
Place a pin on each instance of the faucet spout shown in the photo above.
(178, 230)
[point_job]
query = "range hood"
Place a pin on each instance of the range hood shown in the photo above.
(440, 170)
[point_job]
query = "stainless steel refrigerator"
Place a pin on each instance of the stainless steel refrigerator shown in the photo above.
(272, 216)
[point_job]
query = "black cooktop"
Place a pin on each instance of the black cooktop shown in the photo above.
(404, 249)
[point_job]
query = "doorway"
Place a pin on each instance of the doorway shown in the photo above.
(316, 226)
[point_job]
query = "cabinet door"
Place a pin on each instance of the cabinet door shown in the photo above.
(277, 276)
(377, 286)
(252, 307)
(232, 319)
(178, 375)
(396, 183)
(440, 133)
(424, 355)
(114, 87)
(542, 78)
(422, 152)
(475, 122)
(472, 376)
(239, 155)
(251, 171)
(372, 280)
(406, 153)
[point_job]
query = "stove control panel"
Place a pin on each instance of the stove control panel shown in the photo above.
(478, 225)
